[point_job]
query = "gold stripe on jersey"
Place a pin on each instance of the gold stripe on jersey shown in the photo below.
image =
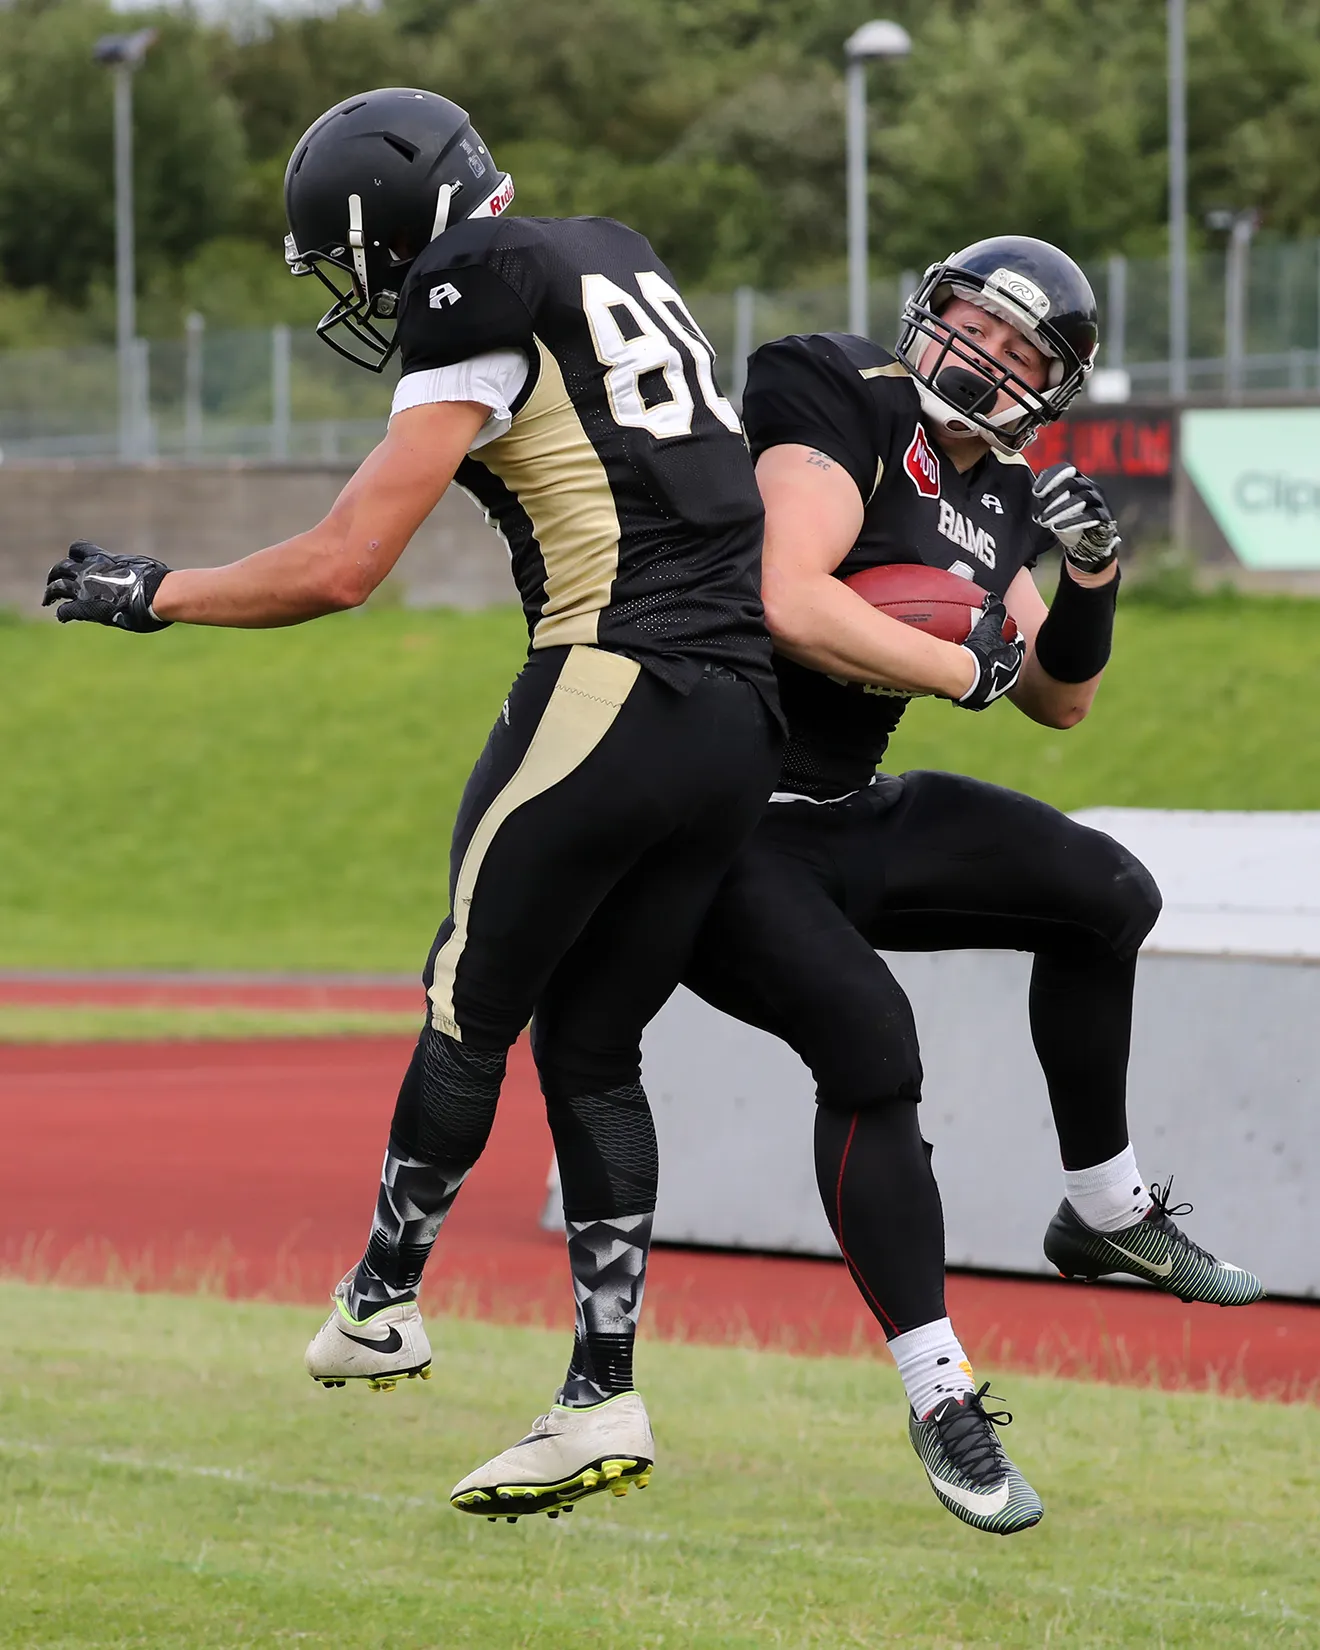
(588, 695)
(1011, 458)
(547, 462)
(891, 369)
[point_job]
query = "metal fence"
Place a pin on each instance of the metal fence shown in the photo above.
(264, 393)
(280, 395)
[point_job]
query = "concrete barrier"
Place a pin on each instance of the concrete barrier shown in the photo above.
(1223, 1090)
(202, 516)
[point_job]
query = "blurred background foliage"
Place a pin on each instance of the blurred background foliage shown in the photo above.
(714, 126)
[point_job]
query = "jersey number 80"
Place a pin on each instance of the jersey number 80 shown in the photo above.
(647, 381)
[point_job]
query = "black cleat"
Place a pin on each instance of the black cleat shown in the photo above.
(1154, 1250)
(968, 1469)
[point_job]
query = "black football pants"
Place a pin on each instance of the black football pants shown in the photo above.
(590, 839)
(925, 862)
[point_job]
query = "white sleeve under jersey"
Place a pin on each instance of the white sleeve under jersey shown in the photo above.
(492, 380)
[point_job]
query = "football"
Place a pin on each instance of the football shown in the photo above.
(931, 598)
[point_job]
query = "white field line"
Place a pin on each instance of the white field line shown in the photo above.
(612, 1531)
(228, 1475)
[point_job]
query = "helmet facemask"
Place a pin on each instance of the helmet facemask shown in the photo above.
(962, 386)
(355, 311)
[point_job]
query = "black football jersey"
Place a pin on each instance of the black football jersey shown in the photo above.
(853, 401)
(623, 489)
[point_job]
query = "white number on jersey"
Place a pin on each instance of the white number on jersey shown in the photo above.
(646, 384)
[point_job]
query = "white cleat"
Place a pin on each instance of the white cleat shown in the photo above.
(388, 1347)
(568, 1454)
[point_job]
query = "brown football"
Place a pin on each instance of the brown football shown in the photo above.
(931, 598)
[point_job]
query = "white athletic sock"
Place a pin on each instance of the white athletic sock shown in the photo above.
(933, 1365)
(1109, 1195)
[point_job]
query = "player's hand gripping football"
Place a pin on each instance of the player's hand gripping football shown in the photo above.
(92, 584)
(1073, 508)
(998, 661)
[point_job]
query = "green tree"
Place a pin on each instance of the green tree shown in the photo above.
(1049, 118)
(1254, 110)
(56, 149)
(783, 126)
(604, 75)
(713, 126)
(294, 69)
(1041, 120)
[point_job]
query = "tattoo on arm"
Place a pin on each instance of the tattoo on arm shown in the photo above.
(819, 459)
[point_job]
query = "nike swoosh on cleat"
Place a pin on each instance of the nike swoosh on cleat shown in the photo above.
(1147, 1265)
(392, 1342)
(985, 1504)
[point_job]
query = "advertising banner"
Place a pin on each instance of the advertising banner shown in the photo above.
(1129, 451)
(1258, 471)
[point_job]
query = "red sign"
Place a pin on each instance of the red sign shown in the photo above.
(1132, 444)
(922, 465)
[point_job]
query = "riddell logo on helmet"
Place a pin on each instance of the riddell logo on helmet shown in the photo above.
(499, 200)
(922, 464)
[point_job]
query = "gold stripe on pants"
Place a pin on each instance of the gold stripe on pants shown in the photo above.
(592, 687)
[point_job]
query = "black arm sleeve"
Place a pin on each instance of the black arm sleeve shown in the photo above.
(453, 314)
(1074, 641)
(802, 392)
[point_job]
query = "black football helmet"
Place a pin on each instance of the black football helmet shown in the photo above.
(370, 184)
(1037, 289)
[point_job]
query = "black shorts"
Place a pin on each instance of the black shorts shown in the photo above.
(925, 862)
(590, 839)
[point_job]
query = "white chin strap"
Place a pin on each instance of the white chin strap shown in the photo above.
(956, 423)
(491, 207)
(356, 241)
(442, 200)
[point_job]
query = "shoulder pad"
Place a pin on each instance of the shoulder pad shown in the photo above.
(872, 360)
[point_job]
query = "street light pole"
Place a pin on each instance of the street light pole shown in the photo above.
(123, 54)
(857, 248)
(877, 39)
(1241, 226)
(1177, 76)
(125, 272)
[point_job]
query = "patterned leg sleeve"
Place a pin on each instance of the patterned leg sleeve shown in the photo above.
(441, 1124)
(608, 1167)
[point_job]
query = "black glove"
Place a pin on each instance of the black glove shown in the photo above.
(117, 590)
(1073, 508)
(998, 662)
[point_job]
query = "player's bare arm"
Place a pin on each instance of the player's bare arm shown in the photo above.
(333, 566)
(813, 514)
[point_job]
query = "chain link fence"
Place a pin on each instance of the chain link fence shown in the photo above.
(281, 396)
(262, 393)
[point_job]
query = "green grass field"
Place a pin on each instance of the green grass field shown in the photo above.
(172, 1479)
(282, 799)
(20, 1023)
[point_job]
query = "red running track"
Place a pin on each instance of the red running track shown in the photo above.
(252, 1167)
